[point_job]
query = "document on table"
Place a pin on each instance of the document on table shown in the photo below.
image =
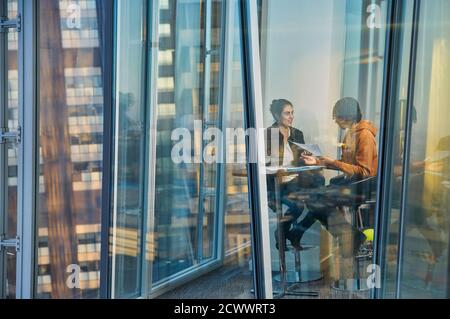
(298, 169)
(314, 149)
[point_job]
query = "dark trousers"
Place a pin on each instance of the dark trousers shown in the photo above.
(349, 236)
(326, 207)
(295, 209)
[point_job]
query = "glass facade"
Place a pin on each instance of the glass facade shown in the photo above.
(146, 116)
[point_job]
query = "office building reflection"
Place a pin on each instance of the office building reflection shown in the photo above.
(70, 140)
(183, 234)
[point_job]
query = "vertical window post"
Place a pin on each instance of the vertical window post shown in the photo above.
(28, 151)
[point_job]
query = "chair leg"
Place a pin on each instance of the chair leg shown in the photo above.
(298, 270)
(298, 265)
(360, 219)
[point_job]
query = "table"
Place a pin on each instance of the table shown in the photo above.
(279, 173)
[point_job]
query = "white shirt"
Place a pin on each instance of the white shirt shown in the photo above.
(288, 158)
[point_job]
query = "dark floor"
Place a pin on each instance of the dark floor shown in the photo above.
(234, 282)
(228, 282)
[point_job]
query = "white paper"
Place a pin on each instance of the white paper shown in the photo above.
(296, 169)
(314, 149)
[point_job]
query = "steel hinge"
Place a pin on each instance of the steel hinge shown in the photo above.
(10, 243)
(7, 136)
(6, 24)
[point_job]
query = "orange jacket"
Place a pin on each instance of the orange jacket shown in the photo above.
(359, 151)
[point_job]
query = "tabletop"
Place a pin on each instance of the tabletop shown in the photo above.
(280, 170)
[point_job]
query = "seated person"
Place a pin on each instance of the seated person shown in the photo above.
(282, 152)
(359, 161)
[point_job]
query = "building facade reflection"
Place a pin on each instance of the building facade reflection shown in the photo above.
(70, 140)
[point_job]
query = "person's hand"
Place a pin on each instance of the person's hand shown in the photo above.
(310, 160)
(325, 160)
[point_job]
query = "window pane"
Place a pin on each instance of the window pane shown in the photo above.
(192, 225)
(130, 148)
(184, 209)
(70, 148)
(425, 256)
(177, 185)
(233, 278)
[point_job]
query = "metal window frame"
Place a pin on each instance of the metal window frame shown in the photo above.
(253, 106)
(387, 136)
(151, 103)
(3, 147)
(142, 275)
(205, 104)
(225, 101)
(108, 125)
(408, 137)
(221, 197)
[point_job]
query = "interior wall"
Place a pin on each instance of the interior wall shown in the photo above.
(303, 52)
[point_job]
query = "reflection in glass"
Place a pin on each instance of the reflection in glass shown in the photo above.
(70, 147)
(185, 202)
(130, 138)
(179, 90)
(234, 221)
(12, 122)
(324, 215)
